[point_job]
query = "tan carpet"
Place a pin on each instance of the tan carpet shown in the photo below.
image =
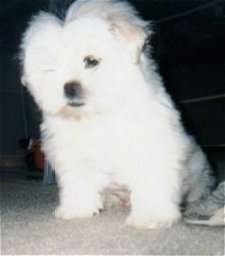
(28, 227)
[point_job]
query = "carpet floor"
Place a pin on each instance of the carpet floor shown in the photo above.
(28, 227)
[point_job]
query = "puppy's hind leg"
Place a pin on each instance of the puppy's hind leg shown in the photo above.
(200, 175)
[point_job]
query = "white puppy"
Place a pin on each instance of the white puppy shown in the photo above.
(107, 118)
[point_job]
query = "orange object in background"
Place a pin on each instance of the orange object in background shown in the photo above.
(34, 148)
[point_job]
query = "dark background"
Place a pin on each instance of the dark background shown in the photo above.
(189, 47)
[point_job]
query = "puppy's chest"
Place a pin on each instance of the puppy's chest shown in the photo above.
(98, 139)
(107, 140)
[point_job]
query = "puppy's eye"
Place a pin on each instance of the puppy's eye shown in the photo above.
(91, 62)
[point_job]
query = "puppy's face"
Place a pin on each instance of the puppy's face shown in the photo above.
(79, 67)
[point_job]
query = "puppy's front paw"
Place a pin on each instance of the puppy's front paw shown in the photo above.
(152, 222)
(67, 212)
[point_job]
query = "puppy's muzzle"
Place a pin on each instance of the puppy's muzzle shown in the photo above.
(73, 94)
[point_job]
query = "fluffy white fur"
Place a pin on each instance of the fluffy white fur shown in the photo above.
(126, 132)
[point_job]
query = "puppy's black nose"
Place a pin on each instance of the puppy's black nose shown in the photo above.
(72, 90)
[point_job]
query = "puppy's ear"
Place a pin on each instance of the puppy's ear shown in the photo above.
(133, 36)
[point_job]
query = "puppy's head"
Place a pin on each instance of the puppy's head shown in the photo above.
(85, 66)
(123, 18)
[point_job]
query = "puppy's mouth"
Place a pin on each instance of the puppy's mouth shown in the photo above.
(76, 103)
